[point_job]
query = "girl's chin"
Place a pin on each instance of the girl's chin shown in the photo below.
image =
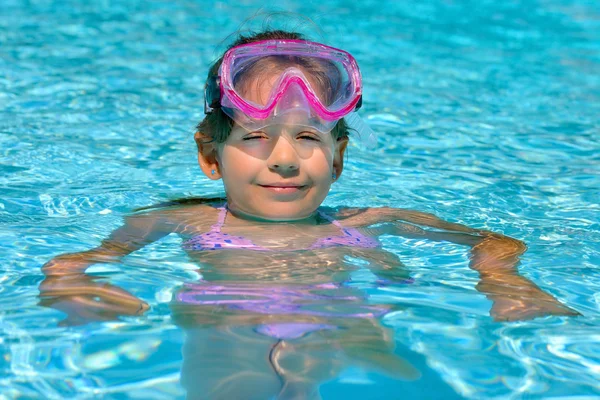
(273, 215)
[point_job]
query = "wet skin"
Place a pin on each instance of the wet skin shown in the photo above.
(283, 173)
(294, 367)
(494, 256)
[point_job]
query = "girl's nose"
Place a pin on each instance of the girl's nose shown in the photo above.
(284, 157)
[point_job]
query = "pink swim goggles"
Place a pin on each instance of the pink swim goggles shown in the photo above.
(293, 82)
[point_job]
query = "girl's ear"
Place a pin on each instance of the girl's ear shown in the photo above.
(207, 156)
(338, 156)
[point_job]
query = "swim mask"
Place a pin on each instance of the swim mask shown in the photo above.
(286, 81)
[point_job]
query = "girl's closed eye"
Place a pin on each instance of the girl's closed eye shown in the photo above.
(310, 136)
(255, 135)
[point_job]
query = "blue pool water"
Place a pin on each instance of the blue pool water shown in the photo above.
(487, 114)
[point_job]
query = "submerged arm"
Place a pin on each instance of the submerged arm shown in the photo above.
(515, 297)
(137, 232)
(494, 256)
(369, 216)
(84, 298)
(87, 298)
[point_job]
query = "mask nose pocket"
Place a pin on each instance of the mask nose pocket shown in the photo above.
(294, 108)
(293, 101)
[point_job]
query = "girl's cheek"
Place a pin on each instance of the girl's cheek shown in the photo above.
(257, 148)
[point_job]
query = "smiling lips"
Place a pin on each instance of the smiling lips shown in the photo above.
(283, 187)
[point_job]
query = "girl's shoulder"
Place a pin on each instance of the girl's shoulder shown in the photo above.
(358, 217)
(181, 213)
(177, 204)
(364, 217)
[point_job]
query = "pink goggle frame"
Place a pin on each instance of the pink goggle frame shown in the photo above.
(344, 99)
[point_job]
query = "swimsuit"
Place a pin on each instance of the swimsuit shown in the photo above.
(322, 300)
(316, 300)
(216, 240)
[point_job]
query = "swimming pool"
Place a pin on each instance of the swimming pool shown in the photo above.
(487, 114)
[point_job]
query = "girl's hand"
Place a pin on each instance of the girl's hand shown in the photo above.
(515, 298)
(66, 264)
(84, 300)
(496, 253)
(520, 309)
(77, 263)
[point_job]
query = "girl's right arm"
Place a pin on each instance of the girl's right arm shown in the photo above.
(85, 298)
(137, 232)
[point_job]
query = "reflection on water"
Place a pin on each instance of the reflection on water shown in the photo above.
(282, 340)
(259, 337)
(486, 115)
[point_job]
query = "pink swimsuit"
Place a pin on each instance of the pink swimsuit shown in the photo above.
(216, 240)
(266, 300)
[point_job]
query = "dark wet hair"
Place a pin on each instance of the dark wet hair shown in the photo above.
(216, 126)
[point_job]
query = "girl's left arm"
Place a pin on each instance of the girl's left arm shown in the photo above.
(494, 256)
(514, 297)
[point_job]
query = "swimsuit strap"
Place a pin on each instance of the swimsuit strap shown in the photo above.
(351, 237)
(333, 221)
(220, 219)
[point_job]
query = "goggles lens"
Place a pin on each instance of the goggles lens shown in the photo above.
(264, 83)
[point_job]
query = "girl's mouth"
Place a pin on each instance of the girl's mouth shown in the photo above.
(284, 188)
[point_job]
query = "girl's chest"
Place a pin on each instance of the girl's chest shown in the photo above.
(261, 237)
(303, 266)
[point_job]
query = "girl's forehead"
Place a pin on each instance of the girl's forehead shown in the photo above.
(258, 87)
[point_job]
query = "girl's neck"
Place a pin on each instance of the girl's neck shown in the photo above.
(242, 217)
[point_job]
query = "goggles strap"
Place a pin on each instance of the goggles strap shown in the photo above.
(212, 94)
(359, 104)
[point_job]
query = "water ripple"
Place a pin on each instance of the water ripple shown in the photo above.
(485, 115)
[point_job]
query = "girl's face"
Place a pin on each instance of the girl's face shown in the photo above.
(282, 172)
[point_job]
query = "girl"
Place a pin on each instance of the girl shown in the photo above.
(274, 262)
